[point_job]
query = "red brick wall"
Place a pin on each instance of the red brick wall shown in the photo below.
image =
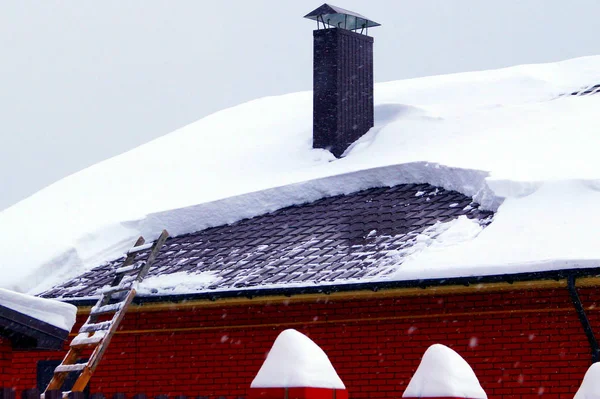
(5, 363)
(521, 344)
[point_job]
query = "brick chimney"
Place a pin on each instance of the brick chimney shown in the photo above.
(343, 78)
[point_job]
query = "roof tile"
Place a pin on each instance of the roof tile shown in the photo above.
(333, 240)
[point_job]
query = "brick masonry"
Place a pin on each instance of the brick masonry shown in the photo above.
(5, 362)
(521, 344)
(343, 107)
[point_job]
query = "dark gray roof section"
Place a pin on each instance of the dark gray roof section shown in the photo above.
(589, 90)
(583, 91)
(337, 16)
(26, 332)
(345, 239)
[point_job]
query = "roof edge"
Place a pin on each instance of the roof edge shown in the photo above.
(27, 332)
(381, 289)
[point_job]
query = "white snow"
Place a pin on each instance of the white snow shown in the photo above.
(444, 373)
(88, 338)
(590, 387)
(229, 210)
(140, 248)
(58, 314)
(295, 361)
(554, 227)
(491, 135)
(177, 283)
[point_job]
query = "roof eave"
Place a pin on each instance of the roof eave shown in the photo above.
(26, 332)
(529, 280)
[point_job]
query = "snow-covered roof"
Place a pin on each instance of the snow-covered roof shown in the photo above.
(58, 314)
(31, 322)
(508, 138)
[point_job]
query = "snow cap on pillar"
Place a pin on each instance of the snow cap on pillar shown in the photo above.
(590, 387)
(444, 373)
(296, 361)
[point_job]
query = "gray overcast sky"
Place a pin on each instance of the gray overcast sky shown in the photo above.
(85, 80)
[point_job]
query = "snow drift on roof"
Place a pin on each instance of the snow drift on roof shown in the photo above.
(295, 361)
(58, 314)
(539, 149)
(443, 373)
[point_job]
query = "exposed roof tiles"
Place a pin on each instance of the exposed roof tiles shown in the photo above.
(594, 89)
(342, 239)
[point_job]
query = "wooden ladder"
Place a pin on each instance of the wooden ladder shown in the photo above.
(115, 300)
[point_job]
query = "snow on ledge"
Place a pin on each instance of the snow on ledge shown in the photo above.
(177, 283)
(471, 183)
(590, 387)
(58, 314)
(295, 361)
(444, 373)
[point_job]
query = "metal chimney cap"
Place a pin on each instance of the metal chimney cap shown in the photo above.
(340, 18)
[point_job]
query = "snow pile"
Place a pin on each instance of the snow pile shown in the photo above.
(443, 373)
(527, 235)
(537, 149)
(58, 314)
(198, 217)
(177, 283)
(295, 361)
(590, 387)
(411, 263)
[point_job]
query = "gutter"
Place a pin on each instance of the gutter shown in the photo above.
(585, 322)
(508, 281)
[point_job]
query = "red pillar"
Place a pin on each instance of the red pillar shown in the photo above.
(297, 393)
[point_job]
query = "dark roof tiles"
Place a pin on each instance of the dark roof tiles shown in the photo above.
(346, 238)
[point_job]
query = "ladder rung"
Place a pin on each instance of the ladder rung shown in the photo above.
(98, 333)
(93, 327)
(125, 269)
(111, 308)
(84, 339)
(67, 368)
(119, 288)
(140, 248)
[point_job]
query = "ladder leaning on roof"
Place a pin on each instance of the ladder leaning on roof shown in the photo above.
(115, 299)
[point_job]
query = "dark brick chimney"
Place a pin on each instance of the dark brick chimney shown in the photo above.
(343, 78)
